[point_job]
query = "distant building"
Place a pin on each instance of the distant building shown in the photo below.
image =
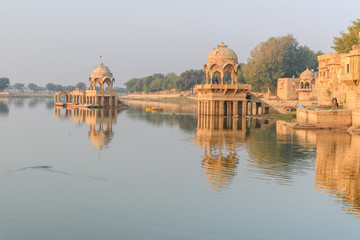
(101, 93)
(303, 88)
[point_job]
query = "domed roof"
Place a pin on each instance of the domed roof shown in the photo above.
(222, 53)
(307, 74)
(101, 72)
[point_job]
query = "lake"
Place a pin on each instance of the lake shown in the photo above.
(132, 174)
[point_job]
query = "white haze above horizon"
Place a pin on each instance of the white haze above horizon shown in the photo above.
(61, 41)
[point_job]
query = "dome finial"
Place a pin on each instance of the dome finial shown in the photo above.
(222, 44)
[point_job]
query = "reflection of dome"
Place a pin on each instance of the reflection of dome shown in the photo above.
(101, 72)
(307, 74)
(100, 138)
(222, 52)
(219, 171)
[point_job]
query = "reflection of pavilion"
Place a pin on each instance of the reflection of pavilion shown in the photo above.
(4, 109)
(100, 123)
(219, 136)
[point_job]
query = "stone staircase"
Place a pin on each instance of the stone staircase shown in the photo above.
(280, 105)
(272, 109)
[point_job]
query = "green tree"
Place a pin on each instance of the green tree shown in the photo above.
(138, 87)
(156, 85)
(19, 86)
(33, 87)
(130, 85)
(81, 86)
(344, 43)
(51, 87)
(276, 58)
(4, 83)
(169, 81)
(188, 79)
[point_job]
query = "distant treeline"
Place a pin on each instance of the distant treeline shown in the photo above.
(52, 87)
(160, 82)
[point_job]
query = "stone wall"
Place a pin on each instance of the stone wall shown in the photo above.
(356, 117)
(287, 87)
(304, 95)
(326, 118)
(302, 115)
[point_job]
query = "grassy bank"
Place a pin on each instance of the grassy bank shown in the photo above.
(284, 117)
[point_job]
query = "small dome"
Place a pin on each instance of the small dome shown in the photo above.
(101, 72)
(307, 74)
(222, 52)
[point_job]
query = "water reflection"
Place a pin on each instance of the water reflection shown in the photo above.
(277, 156)
(187, 106)
(18, 102)
(337, 163)
(221, 139)
(100, 122)
(4, 108)
(173, 114)
(337, 168)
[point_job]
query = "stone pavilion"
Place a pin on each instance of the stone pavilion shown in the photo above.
(221, 94)
(100, 94)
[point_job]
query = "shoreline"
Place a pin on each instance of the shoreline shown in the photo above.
(27, 95)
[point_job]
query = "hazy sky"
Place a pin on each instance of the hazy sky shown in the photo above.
(60, 41)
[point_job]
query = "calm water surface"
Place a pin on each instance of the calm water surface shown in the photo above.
(77, 174)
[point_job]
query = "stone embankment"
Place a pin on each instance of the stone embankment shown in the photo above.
(280, 105)
(334, 119)
(161, 94)
(27, 94)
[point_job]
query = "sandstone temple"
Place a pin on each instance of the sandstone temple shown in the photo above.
(100, 94)
(222, 95)
(303, 88)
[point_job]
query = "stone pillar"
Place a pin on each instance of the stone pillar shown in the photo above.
(211, 120)
(212, 108)
(229, 108)
(111, 101)
(96, 100)
(236, 108)
(243, 108)
(204, 107)
(207, 106)
(221, 108)
(221, 123)
(234, 123)
(199, 107)
(101, 101)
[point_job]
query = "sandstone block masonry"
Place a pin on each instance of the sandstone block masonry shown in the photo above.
(326, 118)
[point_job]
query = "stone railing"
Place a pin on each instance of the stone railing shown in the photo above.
(224, 86)
(304, 89)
